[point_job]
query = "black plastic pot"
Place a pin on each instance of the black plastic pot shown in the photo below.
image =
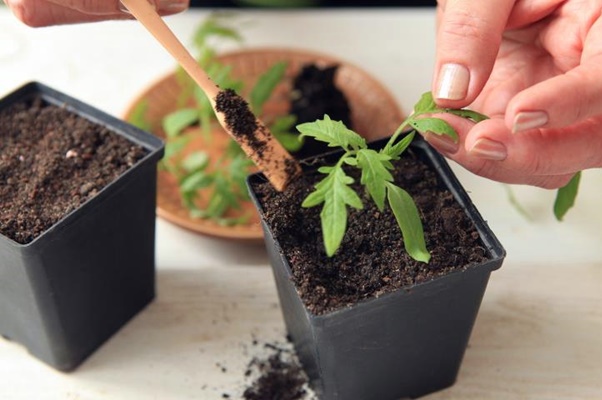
(403, 344)
(66, 292)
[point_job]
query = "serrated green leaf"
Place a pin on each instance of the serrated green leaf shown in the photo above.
(266, 83)
(396, 150)
(409, 222)
(335, 193)
(468, 114)
(375, 174)
(175, 122)
(436, 126)
(335, 133)
(565, 197)
(426, 104)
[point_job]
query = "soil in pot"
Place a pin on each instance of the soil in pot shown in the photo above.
(372, 260)
(51, 162)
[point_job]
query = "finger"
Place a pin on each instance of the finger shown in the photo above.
(468, 38)
(38, 13)
(547, 160)
(565, 99)
(527, 12)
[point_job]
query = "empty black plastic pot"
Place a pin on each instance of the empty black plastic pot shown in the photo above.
(404, 344)
(66, 292)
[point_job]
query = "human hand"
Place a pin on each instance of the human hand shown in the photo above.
(542, 89)
(37, 13)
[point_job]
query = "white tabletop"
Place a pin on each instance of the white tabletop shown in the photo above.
(539, 332)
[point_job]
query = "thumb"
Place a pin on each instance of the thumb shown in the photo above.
(468, 39)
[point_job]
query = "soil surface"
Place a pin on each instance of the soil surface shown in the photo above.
(371, 260)
(52, 161)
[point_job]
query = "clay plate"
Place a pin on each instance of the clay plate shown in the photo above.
(375, 114)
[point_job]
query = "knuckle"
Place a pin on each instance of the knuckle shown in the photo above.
(463, 25)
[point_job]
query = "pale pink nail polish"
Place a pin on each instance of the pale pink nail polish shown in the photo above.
(526, 120)
(442, 143)
(489, 149)
(452, 83)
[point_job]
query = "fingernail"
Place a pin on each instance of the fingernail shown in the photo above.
(171, 5)
(442, 143)
(526, 120)
(453, 82)
(489, 149)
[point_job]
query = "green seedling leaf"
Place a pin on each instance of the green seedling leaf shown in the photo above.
(290, 141)
(215, 27)
(565, 197)
(284, 123)
(375, 174)
(426, 104)
(197, 161)
(238, 171)
(175, 146)
(195, 181)
(335, 193)
(468, 114)
(177, 121)
(281, 128)
(396, 150)
(436, 126)
(335, 133)
(409, 222)
(266, 83)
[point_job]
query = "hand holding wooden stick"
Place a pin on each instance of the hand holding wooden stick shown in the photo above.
(232, 111)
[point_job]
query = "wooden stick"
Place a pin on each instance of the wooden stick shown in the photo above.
(232, 111)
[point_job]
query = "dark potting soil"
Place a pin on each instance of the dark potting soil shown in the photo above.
(277, 375)
(372, 260)
(238, 116)
(51, 162)
(315, 93)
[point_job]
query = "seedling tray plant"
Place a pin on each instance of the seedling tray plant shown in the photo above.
(77, 225)
(381, 287)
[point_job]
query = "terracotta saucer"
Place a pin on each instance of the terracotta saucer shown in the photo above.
(375, 114)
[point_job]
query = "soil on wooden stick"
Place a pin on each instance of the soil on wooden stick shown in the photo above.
(372, 260)
(239, 118)
(51, 162)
